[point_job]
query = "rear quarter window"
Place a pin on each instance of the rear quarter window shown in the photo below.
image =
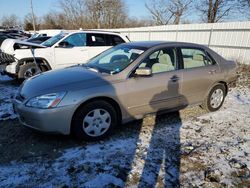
(114, 40)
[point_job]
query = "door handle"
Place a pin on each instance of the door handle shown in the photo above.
(174, 78)
(212, 71)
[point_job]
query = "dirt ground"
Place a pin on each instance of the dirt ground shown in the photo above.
(23, 144)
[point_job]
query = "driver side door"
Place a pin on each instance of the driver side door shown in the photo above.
(73, 52)
(159, 91)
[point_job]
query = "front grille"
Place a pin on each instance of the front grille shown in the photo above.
(6, 58)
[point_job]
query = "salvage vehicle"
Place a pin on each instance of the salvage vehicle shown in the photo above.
(62, 50)
(124, 83)
(4, 36)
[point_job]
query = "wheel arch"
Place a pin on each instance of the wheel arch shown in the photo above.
(110, 100)
(42, 62)
(224, 83)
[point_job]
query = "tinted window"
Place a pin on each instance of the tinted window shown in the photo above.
(78, 39)
(195, 58)
(114, 40)
(163, 60)
(96, 39)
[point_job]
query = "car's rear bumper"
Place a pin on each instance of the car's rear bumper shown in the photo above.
(56, 120)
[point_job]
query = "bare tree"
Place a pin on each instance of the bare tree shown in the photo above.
(216, 10)
(9, 21)
(53, 20)
(106, 13)
(95, 12)
(114, 14)
(168, 11)
(135, 22)
(74, 12)
(28, 22)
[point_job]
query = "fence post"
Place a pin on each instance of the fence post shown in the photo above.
(210, 36)
(243, 59)
(149, 34)
(176, 33)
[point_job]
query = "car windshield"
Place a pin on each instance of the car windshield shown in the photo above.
(115, 59)
(50, 42)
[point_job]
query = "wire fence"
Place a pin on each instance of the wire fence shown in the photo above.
(231, 40)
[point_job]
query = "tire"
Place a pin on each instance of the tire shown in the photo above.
(28, 70)
(215, 98)
(85, 126)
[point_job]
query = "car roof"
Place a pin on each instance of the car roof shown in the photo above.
(94, 31)
(150, 44)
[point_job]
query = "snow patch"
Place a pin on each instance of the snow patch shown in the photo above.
(6, 94)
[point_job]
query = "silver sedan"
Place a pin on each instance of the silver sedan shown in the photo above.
(121, 84)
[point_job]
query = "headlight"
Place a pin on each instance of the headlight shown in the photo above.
(46, 101)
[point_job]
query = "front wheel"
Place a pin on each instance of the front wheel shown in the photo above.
(215, 99)
(94, 121)
(28, 70)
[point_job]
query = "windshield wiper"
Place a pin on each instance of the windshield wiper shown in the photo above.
(91, 68)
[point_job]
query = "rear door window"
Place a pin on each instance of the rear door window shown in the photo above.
(114, 40)
(96, 39)
(193, 58)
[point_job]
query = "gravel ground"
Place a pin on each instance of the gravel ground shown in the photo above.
(190, 148)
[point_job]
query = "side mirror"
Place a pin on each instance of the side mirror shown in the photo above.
(63, 44)
(143, 71)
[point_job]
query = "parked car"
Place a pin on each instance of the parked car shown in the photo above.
(7, 59)
(62, 50)
(4, 36)
(17, 33)
(124, 83)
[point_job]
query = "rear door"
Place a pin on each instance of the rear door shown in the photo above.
(75, 53)
(199, 73)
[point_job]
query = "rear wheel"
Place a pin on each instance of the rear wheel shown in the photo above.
(215, 99)
(27, 70)
(94, 121)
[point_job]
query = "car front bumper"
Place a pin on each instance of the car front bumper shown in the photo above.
(56, 120)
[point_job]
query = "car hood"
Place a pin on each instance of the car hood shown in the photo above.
(68, 79)
(8, 45)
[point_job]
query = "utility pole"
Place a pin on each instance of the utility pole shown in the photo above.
(33, 17)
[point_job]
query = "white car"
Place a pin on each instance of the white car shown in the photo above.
(62, 50)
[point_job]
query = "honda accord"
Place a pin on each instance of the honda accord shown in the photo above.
(121, 84)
